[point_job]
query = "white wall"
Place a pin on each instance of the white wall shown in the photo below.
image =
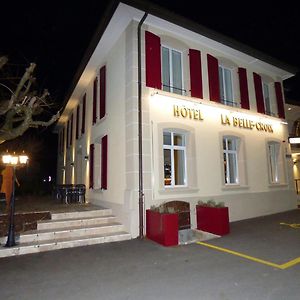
(255, 196)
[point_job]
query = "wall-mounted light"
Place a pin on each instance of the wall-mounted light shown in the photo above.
(294, 140)
(86, 157)
(72, 164)
(63, 168)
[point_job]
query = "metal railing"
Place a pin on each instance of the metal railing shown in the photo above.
(70, 193)
(174, 89)
(230, 103)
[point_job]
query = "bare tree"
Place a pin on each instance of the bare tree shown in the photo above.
(21, 106)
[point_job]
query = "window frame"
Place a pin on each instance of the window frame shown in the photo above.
(226, 166)
(267, 100)
(171, 86)
(172, 149)
(275, 177)
(223, 90)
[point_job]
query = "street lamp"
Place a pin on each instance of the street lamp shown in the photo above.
(13, 161)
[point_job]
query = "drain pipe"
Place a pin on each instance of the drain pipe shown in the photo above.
(140, 132)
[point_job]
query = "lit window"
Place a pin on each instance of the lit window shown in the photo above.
(174, 147)
(273, 158)
(267, 102)
(230, 156)
(226, 89)
(172, 70)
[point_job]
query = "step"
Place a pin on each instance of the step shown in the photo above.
(57, 234)
(49, 245)
(81, 214)
(86, 221)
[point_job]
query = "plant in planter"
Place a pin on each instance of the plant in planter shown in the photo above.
(162, 225)
(212, 217)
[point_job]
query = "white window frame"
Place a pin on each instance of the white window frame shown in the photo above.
(273, 161)
(267, 99)
(227, 152)
(172, 148)
(97, 166)
(229, 102)
(171, 87)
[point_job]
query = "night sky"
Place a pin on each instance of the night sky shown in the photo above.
(56, 34)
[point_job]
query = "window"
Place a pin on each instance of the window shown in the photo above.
(226, 87)
(266, 96)
(273, 158)
(230, 156)
(98, 163)
(174, 147)
(172, 70)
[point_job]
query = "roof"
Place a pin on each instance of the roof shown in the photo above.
(158, 11)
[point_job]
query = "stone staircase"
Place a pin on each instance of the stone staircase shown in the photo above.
(67, 230)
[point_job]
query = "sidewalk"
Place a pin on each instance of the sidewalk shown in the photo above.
(141, 269)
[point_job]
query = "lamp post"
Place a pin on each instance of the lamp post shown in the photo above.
(13, 161)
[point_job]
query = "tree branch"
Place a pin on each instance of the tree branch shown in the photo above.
(3, 61)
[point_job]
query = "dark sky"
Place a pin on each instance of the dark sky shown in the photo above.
(55, 34)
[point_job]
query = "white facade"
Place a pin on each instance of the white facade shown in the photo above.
(203, 124)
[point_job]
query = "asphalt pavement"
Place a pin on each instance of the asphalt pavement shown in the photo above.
(259, 259)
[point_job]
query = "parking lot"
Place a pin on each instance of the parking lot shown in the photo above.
(257, 260)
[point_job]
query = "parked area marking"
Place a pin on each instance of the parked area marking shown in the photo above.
(258, 260)
(293, 225)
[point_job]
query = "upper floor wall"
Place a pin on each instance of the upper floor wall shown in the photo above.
(191, 68)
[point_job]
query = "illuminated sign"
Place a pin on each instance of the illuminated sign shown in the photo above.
(181, 111)
(189, 113)
(245, 123)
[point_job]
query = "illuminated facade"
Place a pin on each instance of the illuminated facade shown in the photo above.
(212, 119)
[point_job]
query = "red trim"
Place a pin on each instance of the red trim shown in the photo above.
(77, 122)
(213, 78)
(71, 133)
(91, 160)
(153, 60)
(244, 88)
(279, 98)
(83, 114)
(104, 162)
(95, 101)
(62, 140)
(68, 129)
(259, 93)
(102, 91)
(196, 73)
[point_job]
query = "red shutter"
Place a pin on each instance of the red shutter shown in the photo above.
(91, 159)
(59, 142)
(196, 73)
(63, 140)
(77, 122)
(244, 88)
(68, 129)
(153, 60)
(213, 78)
(71, 133)
(259, 93)
(102, 91)
(95, 101)
(83, 114)
(104, 162)
(279, 97)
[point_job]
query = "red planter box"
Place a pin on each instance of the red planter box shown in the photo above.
(162, 228)
(213, 219)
